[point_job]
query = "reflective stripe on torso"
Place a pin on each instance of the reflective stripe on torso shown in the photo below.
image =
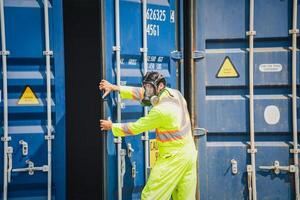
(176, 124)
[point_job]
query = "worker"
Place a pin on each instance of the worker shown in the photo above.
(174, 173)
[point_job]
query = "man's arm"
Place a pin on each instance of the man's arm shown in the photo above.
(132, 93)
(107, 87)
(149, 122)
(126, 92)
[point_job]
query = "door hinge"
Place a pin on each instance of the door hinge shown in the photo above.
(198, 132)
(176, 55)
(198, 55)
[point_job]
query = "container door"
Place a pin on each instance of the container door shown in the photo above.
(162, 41)
(224, 100)
(28, 151)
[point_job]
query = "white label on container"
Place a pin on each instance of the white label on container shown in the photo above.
(270, 67)
(272, 114)
(132, 62)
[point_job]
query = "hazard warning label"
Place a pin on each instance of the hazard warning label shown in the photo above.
(227, 69)
(153, 152)
(28, 97)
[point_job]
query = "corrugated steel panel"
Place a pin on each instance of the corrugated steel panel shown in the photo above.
(223, 103)
(25, 40)
(162, 40)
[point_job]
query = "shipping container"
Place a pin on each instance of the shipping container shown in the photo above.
(135, 48)
(247, 84)
(32, 100)
(244, 77)
(236, 62)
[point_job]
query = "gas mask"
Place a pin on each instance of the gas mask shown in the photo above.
(150, 97)
(150, 84)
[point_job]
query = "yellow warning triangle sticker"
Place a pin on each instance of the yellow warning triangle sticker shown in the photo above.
(227, 69)
(28, 97)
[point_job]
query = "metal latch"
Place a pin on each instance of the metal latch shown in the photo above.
(5, 53)
(234, 168)
(249, 178)
(116, 48)
(5, 139)
(48, 53)
(49, 137)
(251, 33)
(123, 164)
(294, 31)
(30, 167)
(9, 152)
(144, 50)
(277, 168)
(144, 138)
(133, 170)
(117, 140)
(130, 150)
(24, 147)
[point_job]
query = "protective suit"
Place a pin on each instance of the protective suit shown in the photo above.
(174, 173)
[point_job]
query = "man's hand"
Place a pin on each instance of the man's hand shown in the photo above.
(105, 125)
(107, 87)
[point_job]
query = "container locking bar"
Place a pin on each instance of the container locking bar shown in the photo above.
(117, 48)
(252, 150)
(6, 138)
(31, 168)
(294, 32)
(144, 50)
(47, 53)
(277, 168)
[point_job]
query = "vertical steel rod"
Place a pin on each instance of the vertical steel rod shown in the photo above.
(118, 71)
(251, 34)
(5, 108)
(48, 54)
(294, 33)
(145, 61)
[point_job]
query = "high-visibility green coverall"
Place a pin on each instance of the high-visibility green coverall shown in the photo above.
(174, 173)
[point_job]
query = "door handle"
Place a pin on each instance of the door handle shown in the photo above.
(9, 157)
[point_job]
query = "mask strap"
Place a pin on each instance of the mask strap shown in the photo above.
(170, 93)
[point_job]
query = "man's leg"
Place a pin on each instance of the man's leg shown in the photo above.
(163, 178)
(186, 187)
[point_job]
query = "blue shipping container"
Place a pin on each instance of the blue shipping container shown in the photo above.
(222, 95)
(223, 31)
(28, 152)
(163, 38)
(222, 34)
